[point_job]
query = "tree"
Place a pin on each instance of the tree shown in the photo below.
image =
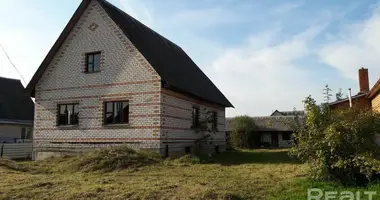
(339, 95)
(327, 93)
(243, 132)
(338, 145)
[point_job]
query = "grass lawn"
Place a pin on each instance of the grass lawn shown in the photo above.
(248, 174)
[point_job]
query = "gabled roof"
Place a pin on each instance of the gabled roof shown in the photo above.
(346, 99)
(270, 123)
(288, 113)
(274, 123)
(175, 67)
(15, 104)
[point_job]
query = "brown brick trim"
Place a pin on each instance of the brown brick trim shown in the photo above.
(102, 85)
(112, 139)
(101, 96)
(129, 127)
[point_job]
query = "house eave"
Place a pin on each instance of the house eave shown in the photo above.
(16, 122)
(30, 88)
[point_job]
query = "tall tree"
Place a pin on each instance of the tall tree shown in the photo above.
(339, 95)
(327, 93)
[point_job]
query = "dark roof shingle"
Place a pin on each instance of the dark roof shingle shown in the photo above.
(15, 104)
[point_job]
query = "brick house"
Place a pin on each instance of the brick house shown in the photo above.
(374, 96)
(359, 100)
(109, 79)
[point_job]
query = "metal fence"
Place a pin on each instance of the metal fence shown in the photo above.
(16, 150)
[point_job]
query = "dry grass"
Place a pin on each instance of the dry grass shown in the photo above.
(256, 174)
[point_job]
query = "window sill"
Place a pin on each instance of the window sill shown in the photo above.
(125, 126)
(92, 72)
(67, 127)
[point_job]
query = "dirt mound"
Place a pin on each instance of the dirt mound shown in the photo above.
(113, 159)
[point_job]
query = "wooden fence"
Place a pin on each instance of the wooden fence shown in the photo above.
(16, 150)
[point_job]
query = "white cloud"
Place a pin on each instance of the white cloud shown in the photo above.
(138, 10)
(202, 18)
(355, 45)
(258, 79)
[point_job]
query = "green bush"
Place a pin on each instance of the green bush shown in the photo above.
(339, 145)
(243, 132)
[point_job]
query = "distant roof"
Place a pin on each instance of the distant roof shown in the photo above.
(15, 104)
(175, 67)
(288, 113)
(346, 99)
(268, 123)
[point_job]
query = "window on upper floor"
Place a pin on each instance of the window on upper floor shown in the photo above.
(68, 114)
(93, 62)
(116, 112)
(195, 116)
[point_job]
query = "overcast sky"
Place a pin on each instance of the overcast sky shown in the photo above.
(263, 55)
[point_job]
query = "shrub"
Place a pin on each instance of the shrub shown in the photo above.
(243, 132)
(339, 145)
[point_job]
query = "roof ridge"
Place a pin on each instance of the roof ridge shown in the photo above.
(168, 59)
(137, 21)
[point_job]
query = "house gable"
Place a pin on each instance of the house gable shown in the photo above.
(95, 32)
(174, 66)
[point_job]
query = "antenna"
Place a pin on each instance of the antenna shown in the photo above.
(349, 97)
(6, 54)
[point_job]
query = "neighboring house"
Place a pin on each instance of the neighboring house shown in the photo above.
(109, 79)
(273, 130)
(359, 100)
(374, 96)
(365, 99)
(16, 112)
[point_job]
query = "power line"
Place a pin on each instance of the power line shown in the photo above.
(6, 54)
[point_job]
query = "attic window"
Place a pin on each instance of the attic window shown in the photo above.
(93, 62)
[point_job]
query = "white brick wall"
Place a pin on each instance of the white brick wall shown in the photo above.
(125, 75)
(177, 112)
